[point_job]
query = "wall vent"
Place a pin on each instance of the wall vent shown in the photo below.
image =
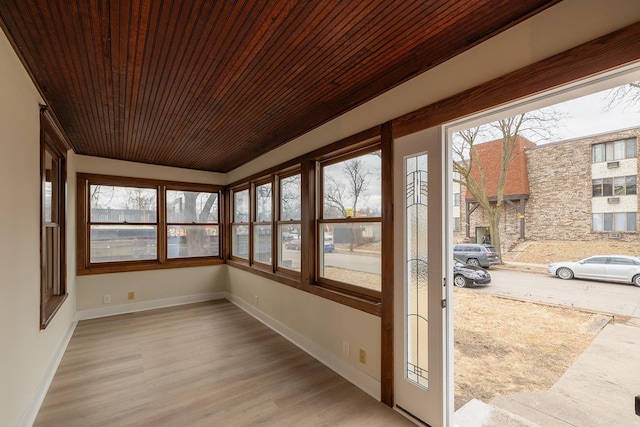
(613, 199)
(613, 165)
(614, 235)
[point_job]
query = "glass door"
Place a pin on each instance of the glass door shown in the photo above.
(420, 295)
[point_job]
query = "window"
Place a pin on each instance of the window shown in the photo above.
(631, 186)
(596, 260)
(315, 222)
(618, 186)
(262, 226)
(615, 150)
(192, 224)
(240, 224)
(456, 223)
(124, 229)
(52, 224)
(618, 221)
(350, 223)
(622, 261)
(289, 230)
(456, 199)
(123, 223)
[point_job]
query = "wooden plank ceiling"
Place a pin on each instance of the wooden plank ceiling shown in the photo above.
(212, 84)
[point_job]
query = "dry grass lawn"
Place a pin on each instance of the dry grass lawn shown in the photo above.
(504, 346)
(548, 251)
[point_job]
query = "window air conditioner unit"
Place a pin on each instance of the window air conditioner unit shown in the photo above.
(613, 199)
(613, 165)
(614, 235)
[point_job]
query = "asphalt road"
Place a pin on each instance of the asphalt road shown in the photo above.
(601, 297)
(357, 262)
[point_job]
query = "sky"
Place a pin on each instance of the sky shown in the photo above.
(587, 116)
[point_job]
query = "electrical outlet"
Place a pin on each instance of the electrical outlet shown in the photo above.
(363, 357)
(132, 295)
(255, 300)
(345, 349)
(106, 299)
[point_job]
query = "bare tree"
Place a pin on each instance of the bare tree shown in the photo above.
(98, 197)
(626, 95)
(345, 196)
(348, 195)
(290, 205)
(537, 125)
(142, 200)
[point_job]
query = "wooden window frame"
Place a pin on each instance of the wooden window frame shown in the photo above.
(53, 270)
(321, 221)
(279, 221)
(84, 266)
(253, 209)
(219, 223)
(306, 165)
(232, 223)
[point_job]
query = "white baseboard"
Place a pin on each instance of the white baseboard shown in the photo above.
(147, 305)
(31, 412)
(368, 384)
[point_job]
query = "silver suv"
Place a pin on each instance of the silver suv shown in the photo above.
(475, 254)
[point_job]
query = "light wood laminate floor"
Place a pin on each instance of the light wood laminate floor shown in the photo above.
(206, 364)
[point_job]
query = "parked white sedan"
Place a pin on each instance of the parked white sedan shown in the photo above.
(611, 268)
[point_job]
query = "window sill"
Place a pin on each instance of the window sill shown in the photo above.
(146, 266)
(363, 302)
(50, 309)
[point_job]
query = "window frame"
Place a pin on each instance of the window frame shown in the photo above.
(279, 221)
(233, 223)
(306, 164)
(599, 186)
(194, 188)
(254, 223)
(321, 222)
(604, 217)
(607, 150)
(53, 257)
(84, 266)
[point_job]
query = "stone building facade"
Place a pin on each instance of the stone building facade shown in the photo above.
(563, 203)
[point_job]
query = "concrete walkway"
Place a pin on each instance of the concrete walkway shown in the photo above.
(597, 390)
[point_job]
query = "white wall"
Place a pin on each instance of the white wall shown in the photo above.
(99, 165)
(159, 287)
(317, 324)
(26, 352)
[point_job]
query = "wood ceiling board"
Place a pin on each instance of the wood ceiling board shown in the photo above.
(212, 85)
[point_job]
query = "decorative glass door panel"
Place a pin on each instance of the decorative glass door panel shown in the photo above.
(419, 254)
(417, 279)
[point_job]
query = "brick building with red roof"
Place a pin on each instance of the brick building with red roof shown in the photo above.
(551, 191)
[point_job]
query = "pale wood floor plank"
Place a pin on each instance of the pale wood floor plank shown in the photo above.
(206, 364)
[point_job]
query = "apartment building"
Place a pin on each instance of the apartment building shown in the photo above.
(579, 189)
